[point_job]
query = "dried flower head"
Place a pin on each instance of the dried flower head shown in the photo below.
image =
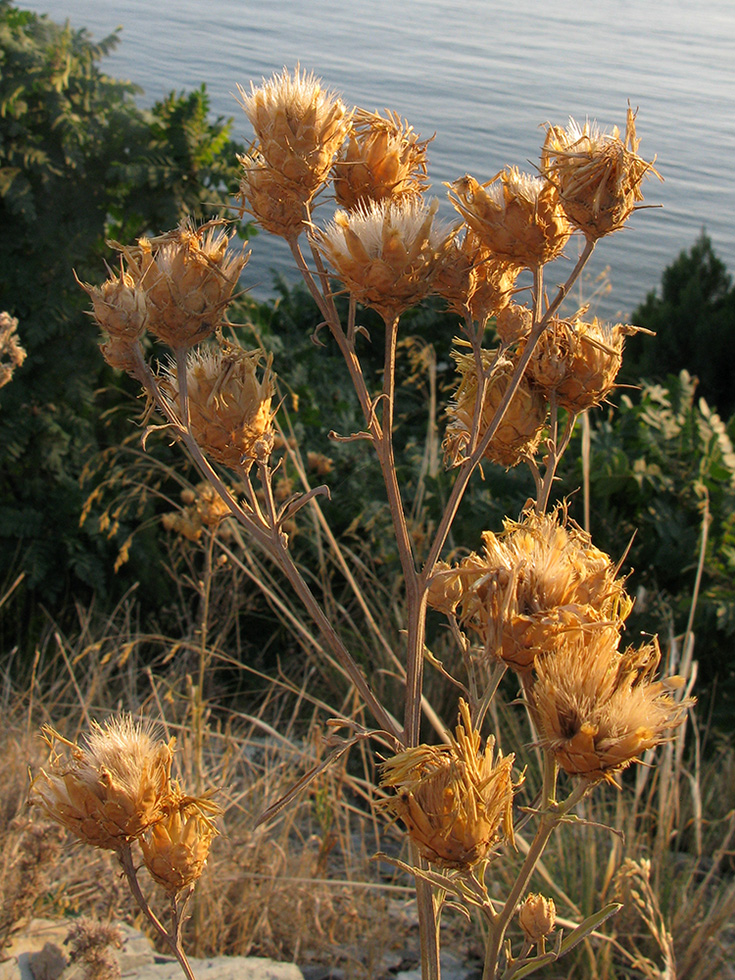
(598, 174)
(188, 277)
(513, 323)
(382, 159)
(536, 584)
(277, 204)
(12, 354)
(229, 405)
(175, 848)
(519, 433)
(300, 126)
(91, 945)
(110, 790)
(455, 800)
(537, 916)
(119, 306)
(599, 710)
(445, 588)
(385, 253)
(472, 279)
(516, 215)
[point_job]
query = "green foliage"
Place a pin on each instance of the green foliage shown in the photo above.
(694, 323)
(79, 163)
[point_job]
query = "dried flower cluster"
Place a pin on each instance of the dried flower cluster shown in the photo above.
(455, 800)
(117, 788)
(545, 601)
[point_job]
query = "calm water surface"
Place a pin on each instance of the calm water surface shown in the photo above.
(483, 75)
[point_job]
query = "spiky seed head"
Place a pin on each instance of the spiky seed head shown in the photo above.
(516, 215)
(513, 323)
(472, 279)
(276, 204)
(188, 276)
(119, 306)
(175, 848)
(599, 710)
(598, 175)
(12, 354)
(385, 253)
(537, 583)
(109, 790)
(122, 354)
(455, 800)
(299, 125)
(537, 916)
(577, 361)
(445, 588)
(229, 405)
(519, 433)
(382, 159)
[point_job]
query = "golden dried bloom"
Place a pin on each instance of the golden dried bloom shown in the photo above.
(319, 463)
(175, 848)
(12, 354)
(188, 276)
(121, 354)
(513, 323)
(455, 800)
(119, 307)
(598, 174)
(300, 126)
(445, 588)
(110, 790)
(519, 433)
(382, 159)
(276, 204)
(472, 279)
(385, 253)
(537, 916)
(536, 584)
(599, 710)
(229, 406)
(517, 216)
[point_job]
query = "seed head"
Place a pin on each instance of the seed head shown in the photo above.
(176, 848)
(598, 175)
(277, 204)
(382, 159)
(188, 277)
(472, 279)
(384, 253)
(119, 306)
(300, 126)
(229, 406)
(599, 710)
(110, 790)
(455, 800)
(537, 916)
(517, 216)
(519, 433)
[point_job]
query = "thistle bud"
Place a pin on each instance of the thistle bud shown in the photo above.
(277, 205)
(519, 433)
(598, 175)
(537, 916)
(382, 159)
(229, 406)
(119, 307)
(176, 848)
(472, 279)
(109, 791)
(515, 215)
(455, 800)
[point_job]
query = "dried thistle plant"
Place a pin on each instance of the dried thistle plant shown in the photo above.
(540, 598)
(12, 354)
